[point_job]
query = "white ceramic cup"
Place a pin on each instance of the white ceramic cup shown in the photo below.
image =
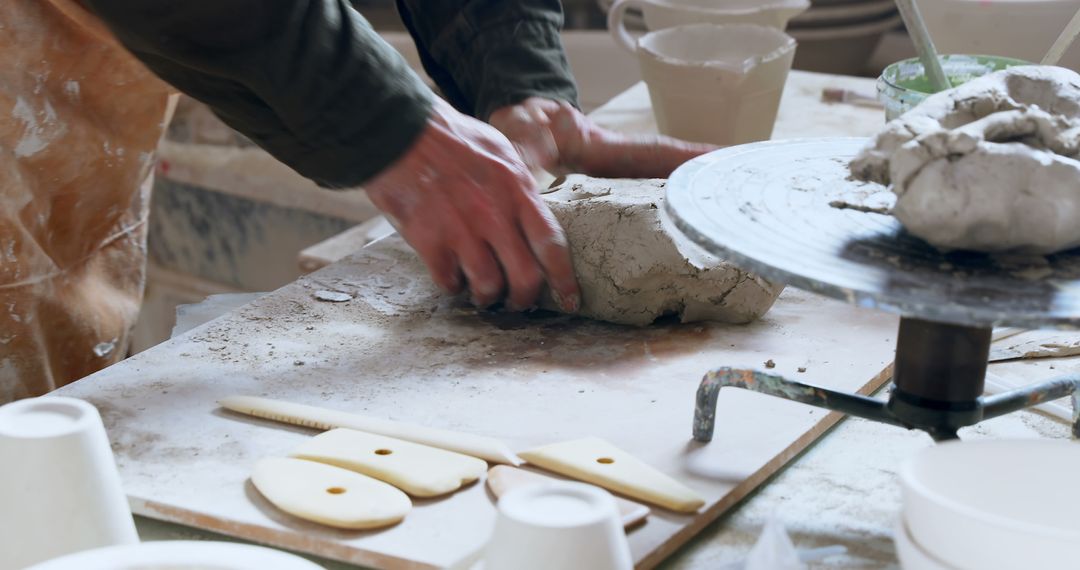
(564, 525)
(716, 84)
(661, 14)
(59, 488)
(995, 505)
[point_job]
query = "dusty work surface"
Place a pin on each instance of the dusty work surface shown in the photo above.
(400, 350)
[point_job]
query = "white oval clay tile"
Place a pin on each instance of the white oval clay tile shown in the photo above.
(419, 470)
(329, 495)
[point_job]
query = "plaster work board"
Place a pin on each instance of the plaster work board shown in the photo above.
(400, 350)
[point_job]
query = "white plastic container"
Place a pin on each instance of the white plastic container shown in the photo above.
(911, 555)
(568, 526)
(995, 505)
(59, 488)
(180, 555)
(662, 14)
(716, 84)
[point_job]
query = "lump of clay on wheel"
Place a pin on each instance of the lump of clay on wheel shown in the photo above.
(988, 166)
(633, 268)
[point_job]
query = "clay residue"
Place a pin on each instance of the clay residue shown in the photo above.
(1037, 344)
(843, 205)
(989, 166)
(632, 269)
(1027, 267)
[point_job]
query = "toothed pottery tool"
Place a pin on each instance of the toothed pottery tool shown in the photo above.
(313, 417)
(502, 479)
(596, 461)
(419, 470)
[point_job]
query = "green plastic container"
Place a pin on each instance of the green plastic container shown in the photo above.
(904, 84)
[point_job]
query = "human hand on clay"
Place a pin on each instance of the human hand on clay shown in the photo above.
(462, 198)
(556, 137)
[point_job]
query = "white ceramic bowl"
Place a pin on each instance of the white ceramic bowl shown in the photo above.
(992, 505)
(911, 555)
(180, 555)
(663, 14)
(844, 14)
(844, 49)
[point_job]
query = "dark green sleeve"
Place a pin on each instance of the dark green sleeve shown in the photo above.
(485, 54)
(308, 80)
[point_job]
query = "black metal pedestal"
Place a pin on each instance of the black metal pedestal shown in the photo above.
(939, 378)
(770, 208)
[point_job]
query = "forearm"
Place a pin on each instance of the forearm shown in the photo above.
(486, 54)
(309, 81)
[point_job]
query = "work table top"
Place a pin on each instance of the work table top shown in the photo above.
(842, 491)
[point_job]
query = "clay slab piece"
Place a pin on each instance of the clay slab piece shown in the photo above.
(329, 495)
(419, 470)
(333, 296)
(988, 166)
(596, 461)
(632, 269)
(503, 478)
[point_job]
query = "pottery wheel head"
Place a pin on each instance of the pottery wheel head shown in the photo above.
(788, 211)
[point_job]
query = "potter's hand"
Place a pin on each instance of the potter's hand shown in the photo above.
(465, 202)
(556, 137)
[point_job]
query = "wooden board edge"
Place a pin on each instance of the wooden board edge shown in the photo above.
(742, 490)
(274, 538)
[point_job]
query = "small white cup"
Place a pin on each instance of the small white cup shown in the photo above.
(716, 84)
(564, 526)
(661, 14)
(59, 488)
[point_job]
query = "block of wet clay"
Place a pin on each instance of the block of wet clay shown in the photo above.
(633, 267)
(419, 470)
(992, 165)
(503, 478)
(329, 495)
(594, 460)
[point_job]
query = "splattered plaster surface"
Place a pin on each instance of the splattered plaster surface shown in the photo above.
(400, 350)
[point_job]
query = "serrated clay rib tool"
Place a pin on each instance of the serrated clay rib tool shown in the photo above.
(483, 447)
